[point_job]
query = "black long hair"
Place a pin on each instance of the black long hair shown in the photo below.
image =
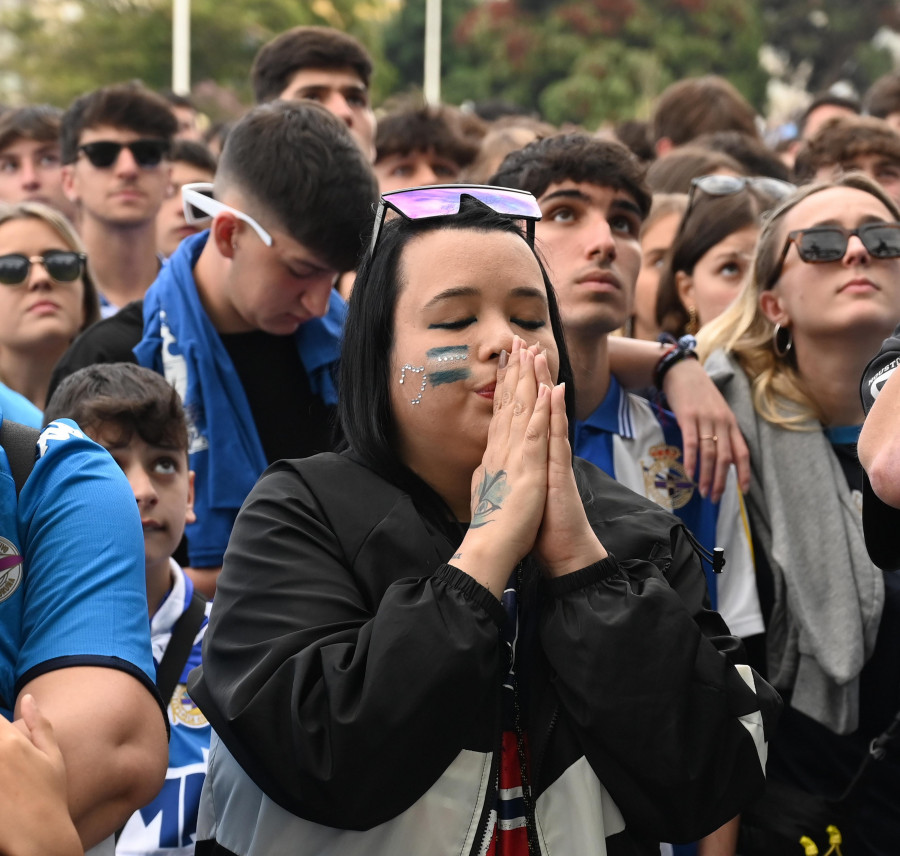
(364, 401)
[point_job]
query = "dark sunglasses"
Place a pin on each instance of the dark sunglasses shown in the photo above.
(61, 266)
(146, 153)
(443, 200)
(822, 244)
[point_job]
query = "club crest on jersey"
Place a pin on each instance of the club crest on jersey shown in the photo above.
(11, 568)
(666, 481)
(184, 710)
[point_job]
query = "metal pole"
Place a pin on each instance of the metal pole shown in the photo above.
(432, 85)
(181, 46)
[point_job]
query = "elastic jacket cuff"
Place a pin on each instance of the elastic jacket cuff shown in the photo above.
(592, 574)
(473, 591)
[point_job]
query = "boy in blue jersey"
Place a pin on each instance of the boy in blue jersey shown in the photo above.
(137, 416)
(73, 634)
(593, 200)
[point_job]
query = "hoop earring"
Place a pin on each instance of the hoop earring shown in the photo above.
(693, 322)
(782, 350)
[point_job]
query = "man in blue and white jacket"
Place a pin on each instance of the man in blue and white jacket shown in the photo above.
(243, 320)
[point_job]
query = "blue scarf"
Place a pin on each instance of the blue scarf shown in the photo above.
(226, 454)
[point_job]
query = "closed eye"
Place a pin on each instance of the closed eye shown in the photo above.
(529, 325)
(453, 325)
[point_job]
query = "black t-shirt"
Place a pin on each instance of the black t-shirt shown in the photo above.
(291, 421)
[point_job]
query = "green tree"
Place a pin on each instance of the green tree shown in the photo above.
(404, 43)
(55, 60)
(591, 61)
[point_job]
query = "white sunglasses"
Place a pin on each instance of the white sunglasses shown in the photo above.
(200, 207)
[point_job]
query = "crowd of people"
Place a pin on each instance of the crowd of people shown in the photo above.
(495, 488)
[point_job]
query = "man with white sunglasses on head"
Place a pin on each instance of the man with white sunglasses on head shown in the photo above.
(243, 319)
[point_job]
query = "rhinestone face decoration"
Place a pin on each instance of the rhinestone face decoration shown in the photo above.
(415, 370)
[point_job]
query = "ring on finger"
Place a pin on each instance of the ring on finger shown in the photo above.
(712, 437)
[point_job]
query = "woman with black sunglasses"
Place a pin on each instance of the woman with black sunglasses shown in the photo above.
(448, 639)
(46, 299)
(788, 356)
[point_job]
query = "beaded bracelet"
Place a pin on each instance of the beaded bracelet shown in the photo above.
(685, 347)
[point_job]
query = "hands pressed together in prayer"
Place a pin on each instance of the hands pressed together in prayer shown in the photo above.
(524, 496)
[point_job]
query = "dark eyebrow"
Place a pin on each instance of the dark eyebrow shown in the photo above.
(450, 293)
(530, 292)
(527, 291)
(565, 194)
(629, 206)
(572, 193)
(730, 255)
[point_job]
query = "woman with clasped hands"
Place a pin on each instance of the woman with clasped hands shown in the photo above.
(447, 640)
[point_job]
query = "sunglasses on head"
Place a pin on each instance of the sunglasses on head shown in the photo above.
(200, 208)
(443, 200)
(821, 244)
(728, 185)
(146, 153)
(61, 266)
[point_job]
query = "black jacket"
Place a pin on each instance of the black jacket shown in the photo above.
(354, 676)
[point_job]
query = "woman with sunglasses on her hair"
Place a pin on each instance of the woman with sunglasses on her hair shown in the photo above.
(713, 247)
(46, 299)
(446, 639)
(788, 355)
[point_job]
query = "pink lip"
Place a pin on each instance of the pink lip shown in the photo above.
(44, 307)
(861, 284)
(599, 278)
(487, 391)
(152, 524)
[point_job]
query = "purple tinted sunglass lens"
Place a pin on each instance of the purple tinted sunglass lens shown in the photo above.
(437, 202)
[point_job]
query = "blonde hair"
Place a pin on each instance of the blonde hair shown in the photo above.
(780, 393)
(63, 227)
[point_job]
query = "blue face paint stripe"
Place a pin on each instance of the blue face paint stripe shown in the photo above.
(435, 353)
(448, 376)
